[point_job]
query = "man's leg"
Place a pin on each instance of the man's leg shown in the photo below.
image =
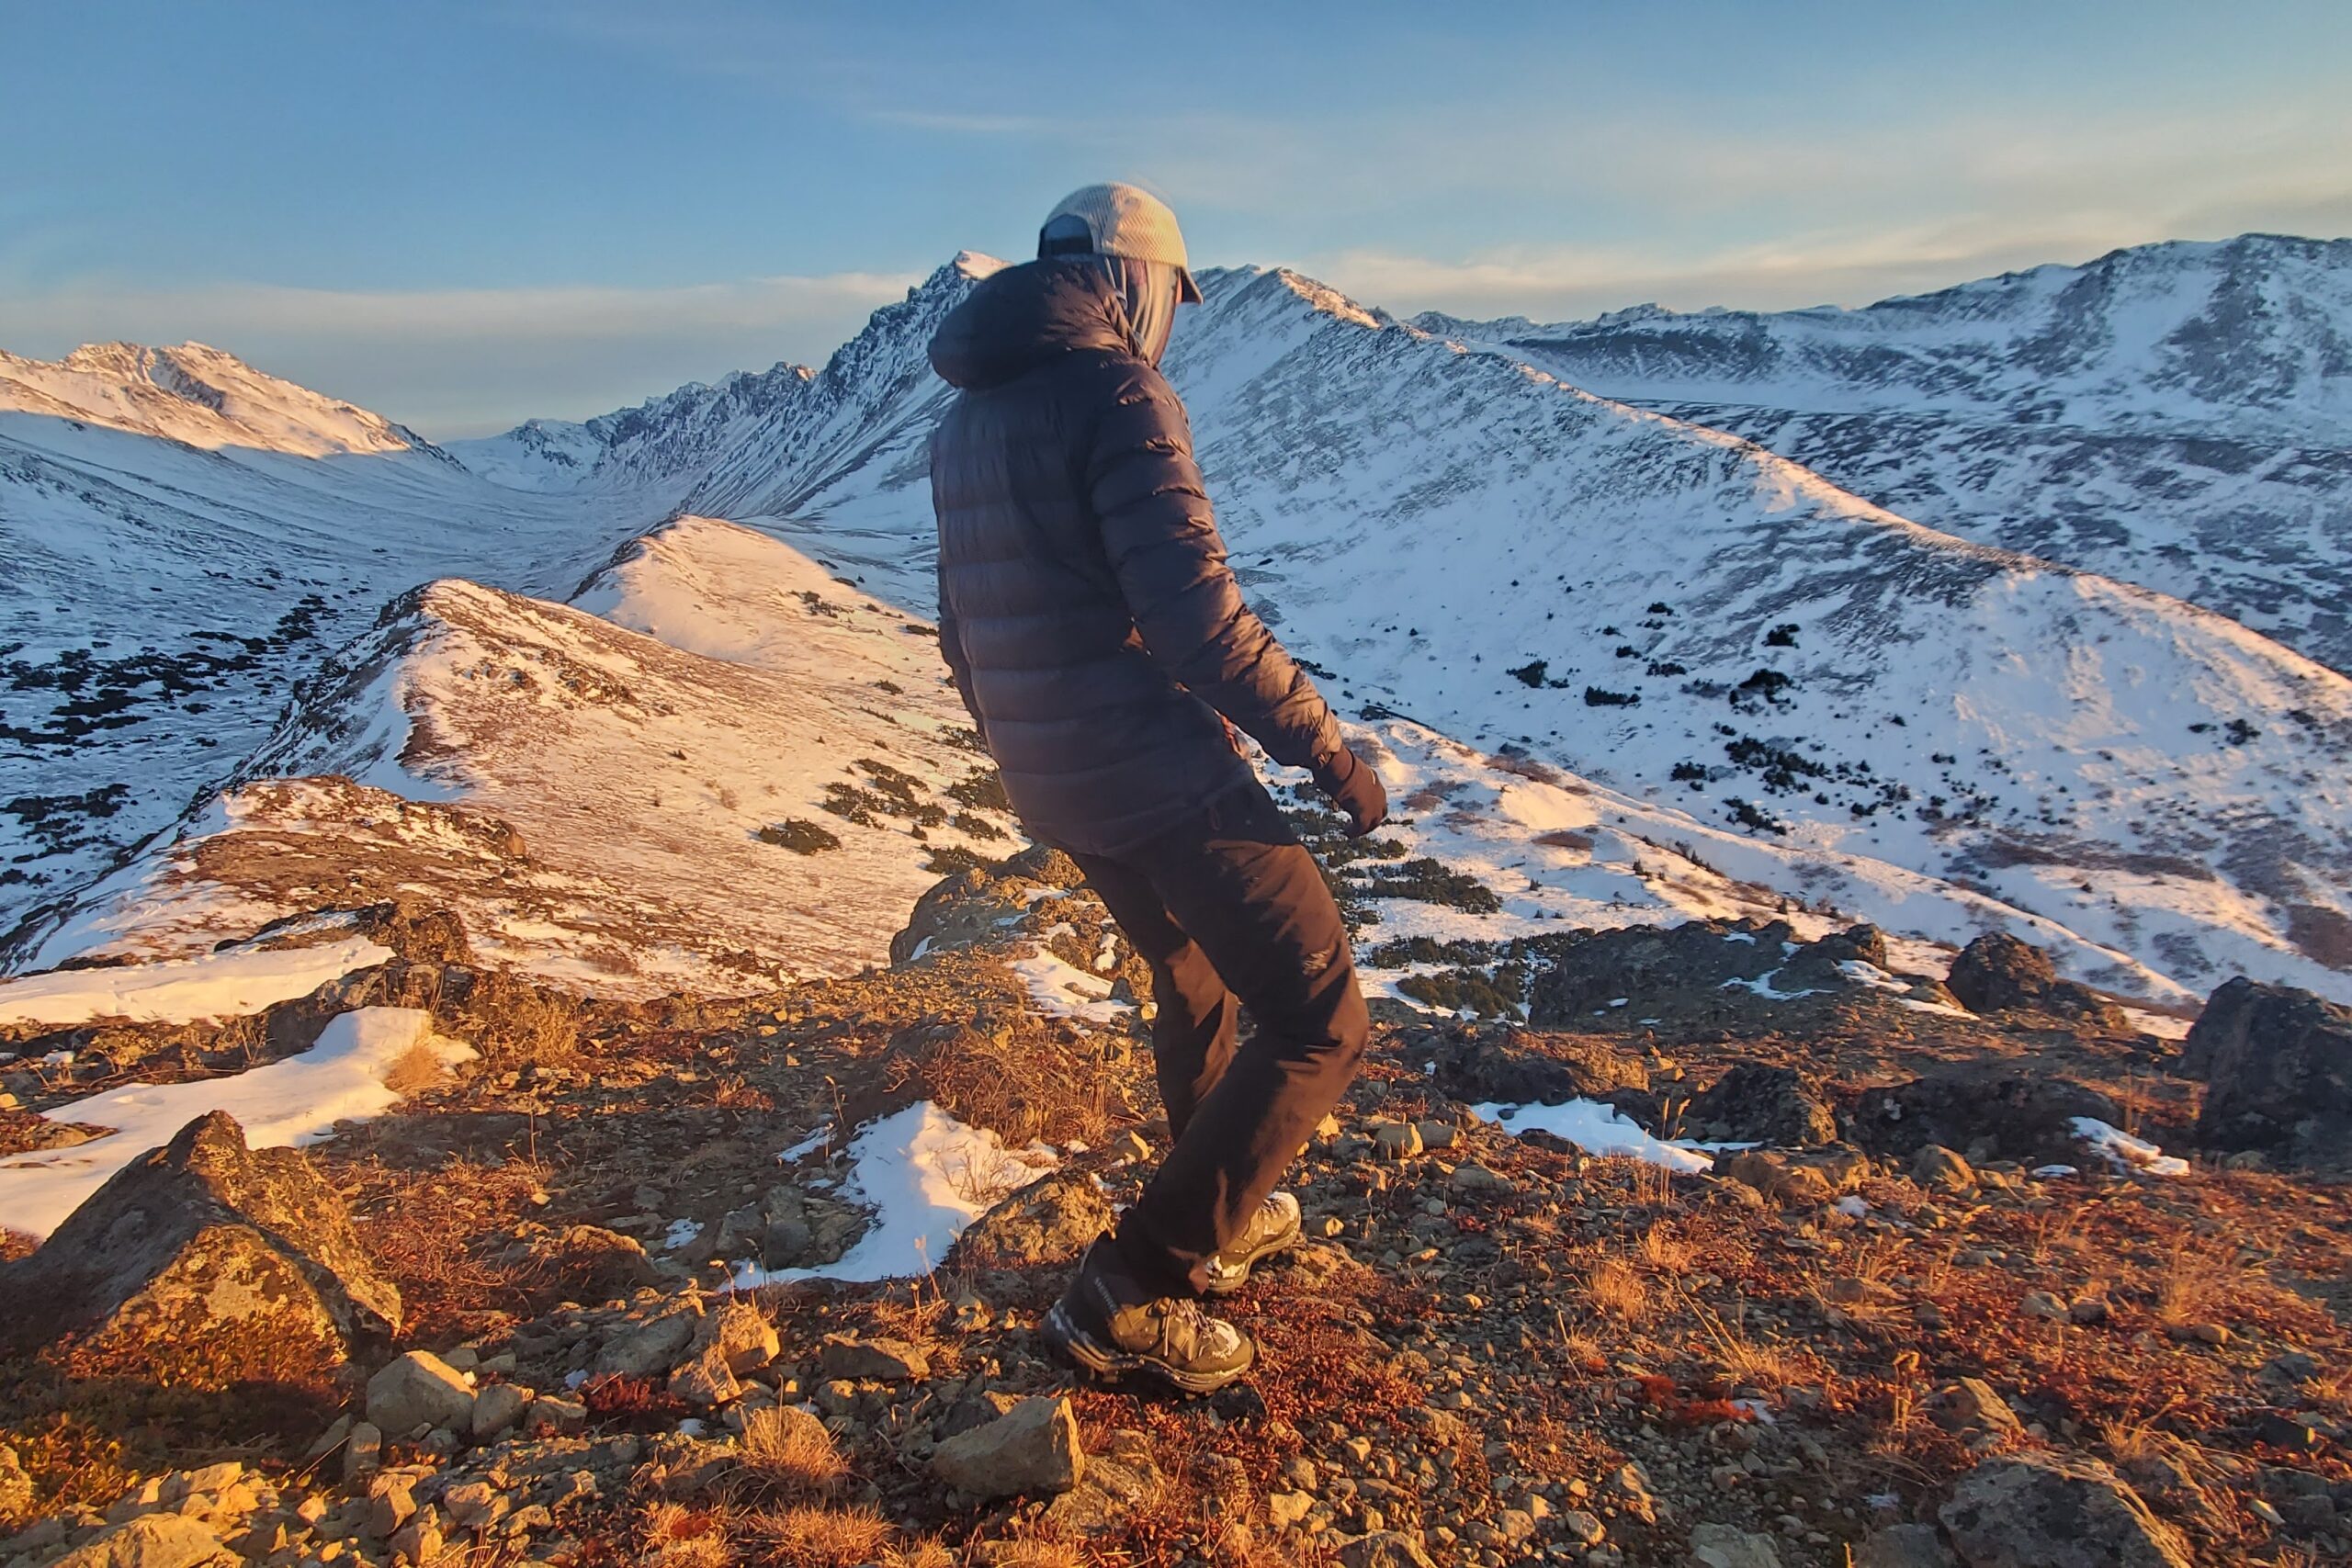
(1253, 900)
(1193, 1028)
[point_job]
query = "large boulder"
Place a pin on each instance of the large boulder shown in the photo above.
(1478, 1064)
(2278, 1064)
(1645, 966)
(1754, 1103)
(204, 1265)
(1049, 1222)
(1033, 1449)
(2039, 1511)
(152, 1540)
(1985, 1116)
(1996, 973)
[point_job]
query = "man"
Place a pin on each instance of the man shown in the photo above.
(1095, 633)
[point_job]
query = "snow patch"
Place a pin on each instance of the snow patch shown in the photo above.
(1064, 990)
(927, 1176)
(2126, 1152)
(1596, 1128)
(294, 1102)
(221, 985)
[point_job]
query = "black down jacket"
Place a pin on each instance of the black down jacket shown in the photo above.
(1085, 608)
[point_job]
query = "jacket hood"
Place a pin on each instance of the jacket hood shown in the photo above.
(1018, 318)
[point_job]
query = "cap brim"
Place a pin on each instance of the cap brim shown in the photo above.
(1187, 291)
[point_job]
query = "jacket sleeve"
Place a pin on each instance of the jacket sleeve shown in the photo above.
(1161, 539)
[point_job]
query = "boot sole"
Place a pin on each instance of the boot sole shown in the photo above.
(1240, 1276)
(1115, 1365)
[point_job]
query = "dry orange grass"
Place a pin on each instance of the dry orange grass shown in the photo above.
(812, 1537)
(1662, 1248)
(671, 1535)
(1616, 1290)
(788, 1453)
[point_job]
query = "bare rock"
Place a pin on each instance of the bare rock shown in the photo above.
(2039, 1511)
(1996, 973)
(2278, 1061)
(204, 1265)
(498, 1410)
(1904, 1546)
(150, 1541)
(890, 1360)
(420, 1388)
(2027, 1117)
(1033, 1449)
(1722, 1546)
(1049, 1222)
(1939, 1170)
(1386, 1548)
(648, 1349)
(1759, 1105)
(1115, 1482)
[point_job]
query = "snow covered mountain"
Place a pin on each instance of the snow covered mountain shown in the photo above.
(1675, 613)
(715, 768)
(183, 537)
(197, 395)
(2172, 415)
(1729, 658)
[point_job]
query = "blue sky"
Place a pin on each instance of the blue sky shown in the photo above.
(464, 214)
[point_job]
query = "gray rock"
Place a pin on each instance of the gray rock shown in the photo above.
(649, 1349)
(1759, 1105)
(1031, 1450)
(1904, 1546)
(2041, 1511)
(1721, 1546)
(150, 1541)
(419, 1390)
(498, 1409)
(205, 1264)
(363, 1450)
(890, 1360)
(2278, 1061)
(1049, 1222)
(1386, 1548)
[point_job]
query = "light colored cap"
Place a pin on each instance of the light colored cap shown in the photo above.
(1117, 220)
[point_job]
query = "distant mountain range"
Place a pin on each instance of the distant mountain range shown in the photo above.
(1847, 663)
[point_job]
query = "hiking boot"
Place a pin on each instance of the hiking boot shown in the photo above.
(1110, 1325)
(1274, 1228)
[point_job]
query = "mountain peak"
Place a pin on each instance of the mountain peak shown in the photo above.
(195, 394)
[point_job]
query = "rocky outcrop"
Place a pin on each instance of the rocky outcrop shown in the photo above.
(1480, 1064)
(205, 1264)
(1758, 1104)
(2012, 1116)
(2278, 1063)
(2039, 1511)
(1996, 973)
(1645, 962)
(972, 905)
(1049, 1222)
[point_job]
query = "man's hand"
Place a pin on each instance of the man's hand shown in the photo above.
(1355, 789)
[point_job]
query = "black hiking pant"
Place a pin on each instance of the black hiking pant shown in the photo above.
(1231, 911)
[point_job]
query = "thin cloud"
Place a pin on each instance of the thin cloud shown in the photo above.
(461, 361)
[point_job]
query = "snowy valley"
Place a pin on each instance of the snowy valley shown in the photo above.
(569, 841)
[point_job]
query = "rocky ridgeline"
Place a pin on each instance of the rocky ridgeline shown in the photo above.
(1910, 1318)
